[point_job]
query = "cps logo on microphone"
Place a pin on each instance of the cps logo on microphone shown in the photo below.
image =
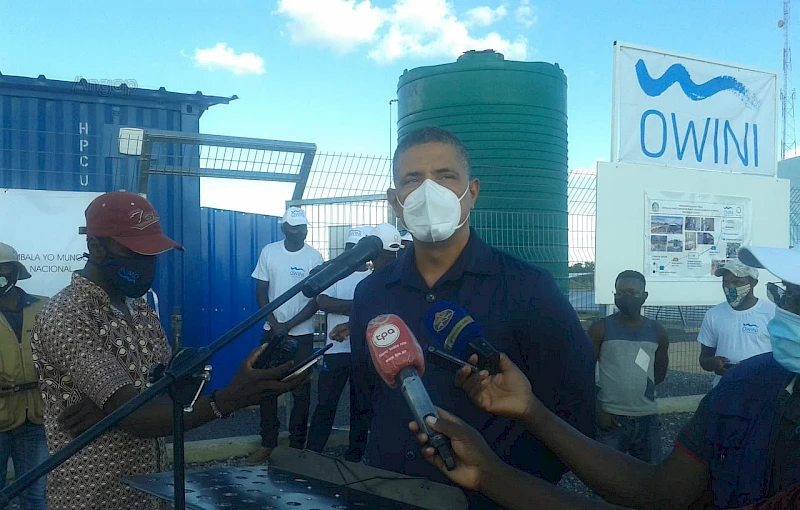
(385, 335)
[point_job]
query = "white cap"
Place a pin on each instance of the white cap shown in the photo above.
(357, 233)
(295, 216)
(782, 262)
(389, 235)
(737, 269)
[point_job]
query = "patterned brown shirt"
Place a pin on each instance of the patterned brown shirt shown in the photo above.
(82, 346)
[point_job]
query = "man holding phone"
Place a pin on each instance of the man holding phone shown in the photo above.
(22, 435)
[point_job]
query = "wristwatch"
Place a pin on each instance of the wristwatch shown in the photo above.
(215, 409)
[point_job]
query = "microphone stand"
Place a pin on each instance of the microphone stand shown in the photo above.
(181, 376)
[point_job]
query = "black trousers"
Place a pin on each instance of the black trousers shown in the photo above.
(334, 375)
(298, 421)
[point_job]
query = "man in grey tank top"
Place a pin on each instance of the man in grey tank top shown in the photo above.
(632, 357)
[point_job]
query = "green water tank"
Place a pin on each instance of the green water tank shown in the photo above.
(512, 116)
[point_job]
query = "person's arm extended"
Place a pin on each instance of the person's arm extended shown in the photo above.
(249, 386)
(710, 362)
(516, 490)
(479, 468)
(661, 364)
(617, 477)
(333, 305)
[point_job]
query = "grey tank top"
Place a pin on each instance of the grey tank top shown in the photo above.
(625, 370)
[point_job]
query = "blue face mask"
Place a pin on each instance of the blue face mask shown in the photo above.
(784, 333)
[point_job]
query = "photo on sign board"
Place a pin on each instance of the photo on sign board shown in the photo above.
(666, 224)
(692, 223)
(675, 245)
(707, 225)
(732, 250)
(691, 241)
(658, 243)
(705, 238)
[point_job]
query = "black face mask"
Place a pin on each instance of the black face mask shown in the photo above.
(132, 277)
(630, 306)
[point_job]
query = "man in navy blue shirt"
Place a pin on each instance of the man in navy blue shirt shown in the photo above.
(519, 306)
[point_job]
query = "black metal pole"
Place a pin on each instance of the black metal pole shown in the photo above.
(178, 464)
(187, 365)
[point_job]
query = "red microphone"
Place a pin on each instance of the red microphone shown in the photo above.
(398, 359)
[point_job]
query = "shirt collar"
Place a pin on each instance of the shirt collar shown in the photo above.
(477, 257)
(25, 300)
(87, 288)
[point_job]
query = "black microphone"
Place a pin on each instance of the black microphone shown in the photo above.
(342, 266)
(453, 330)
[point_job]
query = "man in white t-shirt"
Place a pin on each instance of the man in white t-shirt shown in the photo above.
(280, 266)
(336, 367)
(737, 329)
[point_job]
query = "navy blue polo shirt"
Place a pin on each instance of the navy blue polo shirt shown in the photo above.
(522, 313)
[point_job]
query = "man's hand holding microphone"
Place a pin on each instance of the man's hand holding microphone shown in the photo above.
(507, 393)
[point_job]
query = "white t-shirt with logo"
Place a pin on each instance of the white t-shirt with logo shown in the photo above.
(737, 335)
(283, 269)
(343, 289)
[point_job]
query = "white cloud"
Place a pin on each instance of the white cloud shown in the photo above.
(430, 28)
(225, 58)
(419, 29)
(526, 15)
(485, 16)
(341, 24)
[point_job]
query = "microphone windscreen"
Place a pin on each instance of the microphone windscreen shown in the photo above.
(393, 347)
(451, 328)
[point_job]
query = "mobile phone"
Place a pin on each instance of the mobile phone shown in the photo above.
(26, 386)
(305, 364)
(447, 361)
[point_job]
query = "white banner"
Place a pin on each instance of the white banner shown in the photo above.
(689, 236)
(678, 111)
(43, 227)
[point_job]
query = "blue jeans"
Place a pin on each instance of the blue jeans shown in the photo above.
(640, 437)
(27, 446)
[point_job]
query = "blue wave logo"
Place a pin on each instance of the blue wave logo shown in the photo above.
(296, 268)
(750, 328)
(677, 73)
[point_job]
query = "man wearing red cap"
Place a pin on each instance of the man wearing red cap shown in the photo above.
(94, 346)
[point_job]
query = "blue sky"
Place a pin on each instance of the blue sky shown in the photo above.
(323, 71)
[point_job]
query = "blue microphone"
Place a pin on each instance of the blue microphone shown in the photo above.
(453, 330)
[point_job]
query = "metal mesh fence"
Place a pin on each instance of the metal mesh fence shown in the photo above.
(555, 228)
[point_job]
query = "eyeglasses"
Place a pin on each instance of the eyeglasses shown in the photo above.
(785, 296)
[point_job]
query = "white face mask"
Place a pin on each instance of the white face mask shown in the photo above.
(432, 212)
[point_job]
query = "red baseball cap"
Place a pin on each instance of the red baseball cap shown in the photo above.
(130, 220)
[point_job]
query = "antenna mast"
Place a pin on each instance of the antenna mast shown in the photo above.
(788, 143)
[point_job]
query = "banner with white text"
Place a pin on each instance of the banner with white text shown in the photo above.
(679, 111)
(43, 227)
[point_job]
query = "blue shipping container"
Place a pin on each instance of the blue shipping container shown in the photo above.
(232, 242)
(60, 135)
